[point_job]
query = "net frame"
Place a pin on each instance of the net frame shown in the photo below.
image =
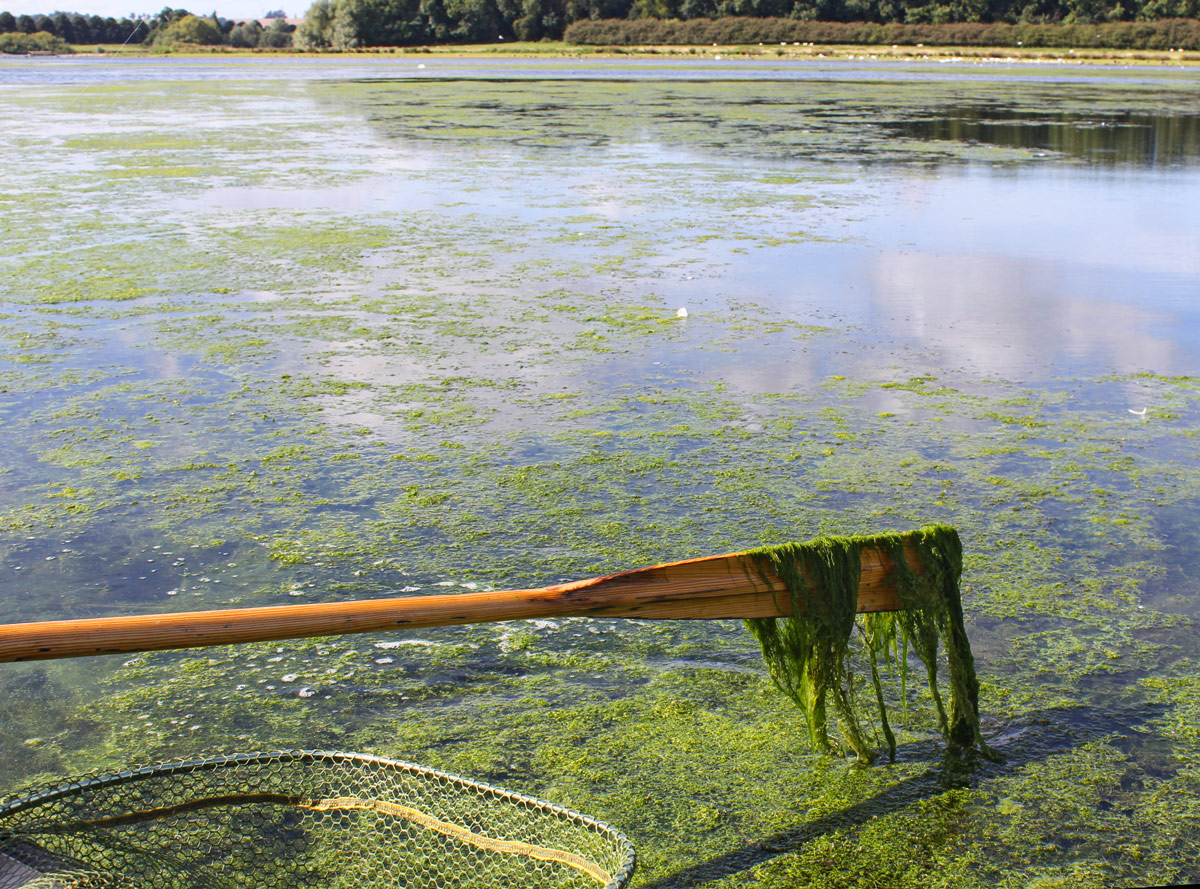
(33, 830)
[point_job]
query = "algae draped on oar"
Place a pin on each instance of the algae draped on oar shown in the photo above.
(810, 655)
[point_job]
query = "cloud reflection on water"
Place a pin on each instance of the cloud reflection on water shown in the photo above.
(997, 316)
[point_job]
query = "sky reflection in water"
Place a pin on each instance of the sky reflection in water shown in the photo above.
(848, 244)
(960, 264)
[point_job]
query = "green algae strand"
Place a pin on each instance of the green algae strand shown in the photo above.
(811, 655)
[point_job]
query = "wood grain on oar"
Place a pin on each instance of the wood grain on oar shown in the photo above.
(729, 586)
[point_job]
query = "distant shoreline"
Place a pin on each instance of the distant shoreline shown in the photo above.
(547, 49)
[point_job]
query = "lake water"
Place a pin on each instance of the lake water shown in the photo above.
(301, 330)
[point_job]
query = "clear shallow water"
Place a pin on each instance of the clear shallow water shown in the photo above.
(317, 340)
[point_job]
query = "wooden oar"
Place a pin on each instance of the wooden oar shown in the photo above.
(729, 586)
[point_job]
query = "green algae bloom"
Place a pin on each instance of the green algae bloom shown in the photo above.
(351, 349)
(810, 654)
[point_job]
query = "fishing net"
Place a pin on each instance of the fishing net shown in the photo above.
(302, 818)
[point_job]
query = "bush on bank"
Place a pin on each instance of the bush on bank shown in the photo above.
(170, 27)
(1162, 34)
(38, 41)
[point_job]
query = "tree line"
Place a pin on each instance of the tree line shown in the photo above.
(1161, 34)
(346, 24)
(74, 27)
(167, 27)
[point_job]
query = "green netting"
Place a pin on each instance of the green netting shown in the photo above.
(300, 818)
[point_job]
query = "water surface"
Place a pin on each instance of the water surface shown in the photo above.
(337, 332)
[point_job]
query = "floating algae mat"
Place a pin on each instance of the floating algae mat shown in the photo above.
(340, 340)
(300, 818)
(316, 818)
(910, 599)
(809, 653)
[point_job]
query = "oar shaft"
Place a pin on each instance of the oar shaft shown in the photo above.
(728, 586)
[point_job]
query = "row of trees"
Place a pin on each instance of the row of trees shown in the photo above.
(1160, 34)
(214, 31)
(168, 27)
(74, 27)
(345, 24)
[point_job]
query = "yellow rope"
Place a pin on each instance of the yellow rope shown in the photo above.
(541, 853)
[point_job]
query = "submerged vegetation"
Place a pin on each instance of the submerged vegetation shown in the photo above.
(340, 340)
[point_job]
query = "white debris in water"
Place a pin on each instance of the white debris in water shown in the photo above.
(544, 624)
(398, 642)
(290, 677)
(384, 660)
(307, 692)
(682, 313)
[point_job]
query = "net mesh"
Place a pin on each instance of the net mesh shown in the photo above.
(300, 818)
